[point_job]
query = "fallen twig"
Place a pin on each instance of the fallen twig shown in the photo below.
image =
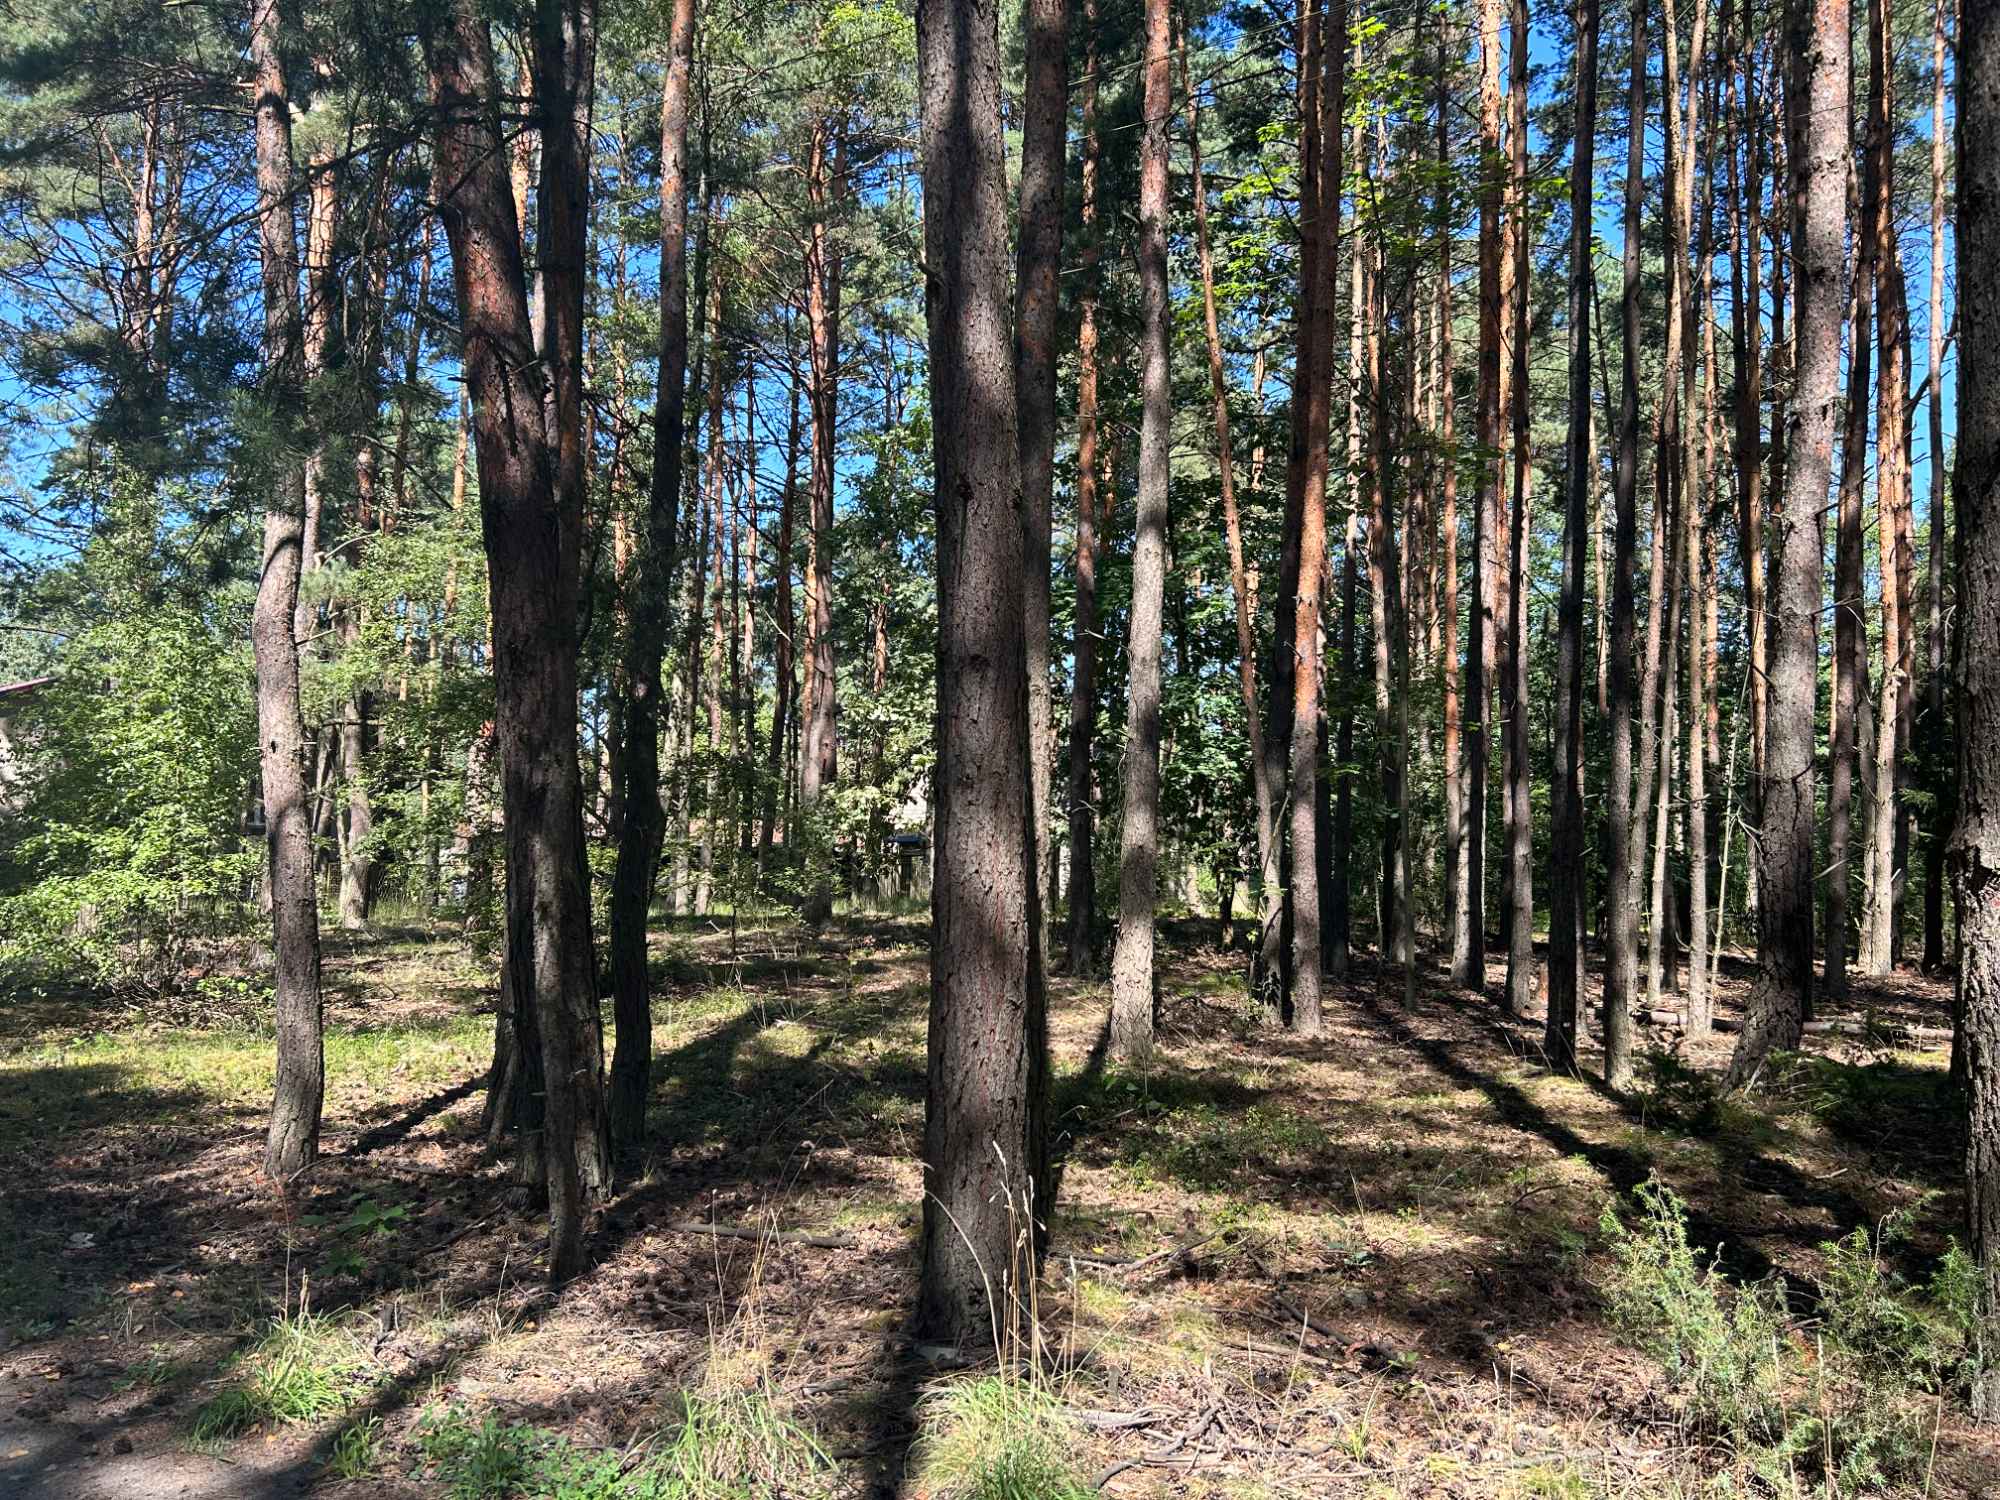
(1160, 1456)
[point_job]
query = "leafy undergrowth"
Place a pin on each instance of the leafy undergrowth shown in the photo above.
(1378, 1264)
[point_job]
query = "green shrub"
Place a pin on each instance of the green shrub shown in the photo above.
(1845, 1400)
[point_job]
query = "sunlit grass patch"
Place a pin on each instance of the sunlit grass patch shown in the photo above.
(998, 1437)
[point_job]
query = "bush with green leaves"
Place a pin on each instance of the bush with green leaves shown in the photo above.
(130, 845)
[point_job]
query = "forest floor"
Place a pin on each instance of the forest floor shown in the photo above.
(1370, 1264)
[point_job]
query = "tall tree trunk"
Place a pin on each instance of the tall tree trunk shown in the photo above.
(1246, 640)
(783, 668)
(1520, 901)
(1850, 633)
(1888, 830)
(1459, 941)
(1621, 968)
(1566, 896)
(1975, 851)
(826, 181)
(1132, 977)
(531, 499)
(1487, 507)
(1307, 729)
(1935, 830)
(1308, 367)
(1775, 1013)
(292, 1143)
(1083, 644)
(1037, 291)
(1386, 614)
(653, 579)
(986, 1122)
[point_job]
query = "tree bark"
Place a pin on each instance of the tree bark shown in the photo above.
(653, 579)
(1520, 898)
(1487, 508)
(1775, 1013)
(531, 496)
(1566, 894)
(985, 1125)
(1308, 733)
(292, 1143)
(826, 179)
(784, 672)
(1132, 977)
(1263, 801)
(1975, 848)
(1936, 830)
(1083, 644)
(1459, 943)
(1621, 968)
(1037, 291)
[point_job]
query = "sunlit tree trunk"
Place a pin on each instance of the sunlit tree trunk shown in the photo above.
(1083, 644)
(292, 1143)
(1935, 829)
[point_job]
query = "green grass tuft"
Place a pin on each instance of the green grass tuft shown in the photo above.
(998, 1438)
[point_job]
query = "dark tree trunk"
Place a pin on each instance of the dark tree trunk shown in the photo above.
(1566, 894)
(1132, 977)
(293, 1141)
(986, 1123)
(644, 825)
(530, 502)
(1775, 1013)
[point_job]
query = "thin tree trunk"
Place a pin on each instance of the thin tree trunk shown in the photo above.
(1305, 1009)
(1246, 640)
(1083, 645)
(1045, 120)
(783, 671)
(1850, 634)
(1888, 829)
(1775, 1013)
(1621, 969)
(1487, 508)
(1520, 902)
(1566, 895)
(1132, 977)
(292, 1143)
(826, 178)
(985, 1124)
(1935, 830)
(1459, 941)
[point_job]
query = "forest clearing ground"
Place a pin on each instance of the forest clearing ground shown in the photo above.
(1390, 1285)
